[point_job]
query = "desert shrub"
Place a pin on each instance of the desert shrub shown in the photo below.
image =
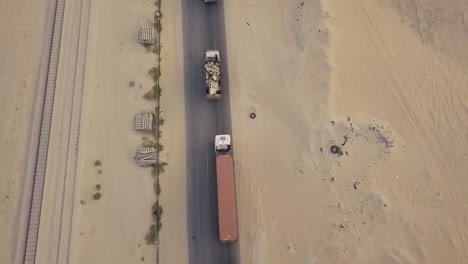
(97, 196)
(151, 235)
(149, 96)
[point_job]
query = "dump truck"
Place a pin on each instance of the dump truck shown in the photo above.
(227, 208)
(213, 74)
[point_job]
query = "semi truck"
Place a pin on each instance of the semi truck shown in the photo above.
(227, 208)
(213, 74)
(211, 1)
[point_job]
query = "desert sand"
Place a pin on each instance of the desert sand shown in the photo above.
(22, 80)
(386, 83)
(173, 235)
(113, 228)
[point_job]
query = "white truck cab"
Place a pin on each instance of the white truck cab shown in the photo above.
(222, 144)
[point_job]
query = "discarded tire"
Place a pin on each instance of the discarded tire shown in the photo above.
(253, 115)
(335, 149)
(356, 184)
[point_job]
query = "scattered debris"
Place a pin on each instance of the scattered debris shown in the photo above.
(356, 184)
(332, 122)
(345, 141)
(382, 136)
(332, 179)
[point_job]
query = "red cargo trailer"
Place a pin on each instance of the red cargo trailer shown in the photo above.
(227, 209)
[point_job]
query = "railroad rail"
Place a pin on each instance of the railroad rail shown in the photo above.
(41, 161)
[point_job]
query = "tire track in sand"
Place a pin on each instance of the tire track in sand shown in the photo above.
(429, 140)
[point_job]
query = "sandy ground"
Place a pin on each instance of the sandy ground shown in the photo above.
(173, 198)
(113, 228)
(21, 79)
(384, 81)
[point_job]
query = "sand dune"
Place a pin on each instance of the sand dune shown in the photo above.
(384, 83)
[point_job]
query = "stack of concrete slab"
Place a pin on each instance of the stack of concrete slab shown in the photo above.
(143, 122)
(146, 156)
(146, 35)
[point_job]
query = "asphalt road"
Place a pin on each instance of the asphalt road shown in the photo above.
(203, 29)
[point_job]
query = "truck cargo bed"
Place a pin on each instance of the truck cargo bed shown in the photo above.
(227, 209)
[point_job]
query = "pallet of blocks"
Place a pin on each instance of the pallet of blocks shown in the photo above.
(146, 156)
(146, 35)
(143, 122)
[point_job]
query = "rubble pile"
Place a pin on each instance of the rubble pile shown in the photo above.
(213, 73)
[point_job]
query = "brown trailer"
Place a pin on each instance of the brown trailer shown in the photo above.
(227, 209)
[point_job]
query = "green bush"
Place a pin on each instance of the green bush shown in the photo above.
(154, 170)
(151, 235)
(97, 196)
(155, 73)
(149, 96)
(157, 211)
(158, 188)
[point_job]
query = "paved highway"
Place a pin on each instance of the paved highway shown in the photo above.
(203, 28)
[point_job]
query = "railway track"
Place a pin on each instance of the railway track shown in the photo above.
(41, 161)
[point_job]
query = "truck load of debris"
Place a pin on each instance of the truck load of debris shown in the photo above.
(213, 74)
(143, 122)
(146, 156)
